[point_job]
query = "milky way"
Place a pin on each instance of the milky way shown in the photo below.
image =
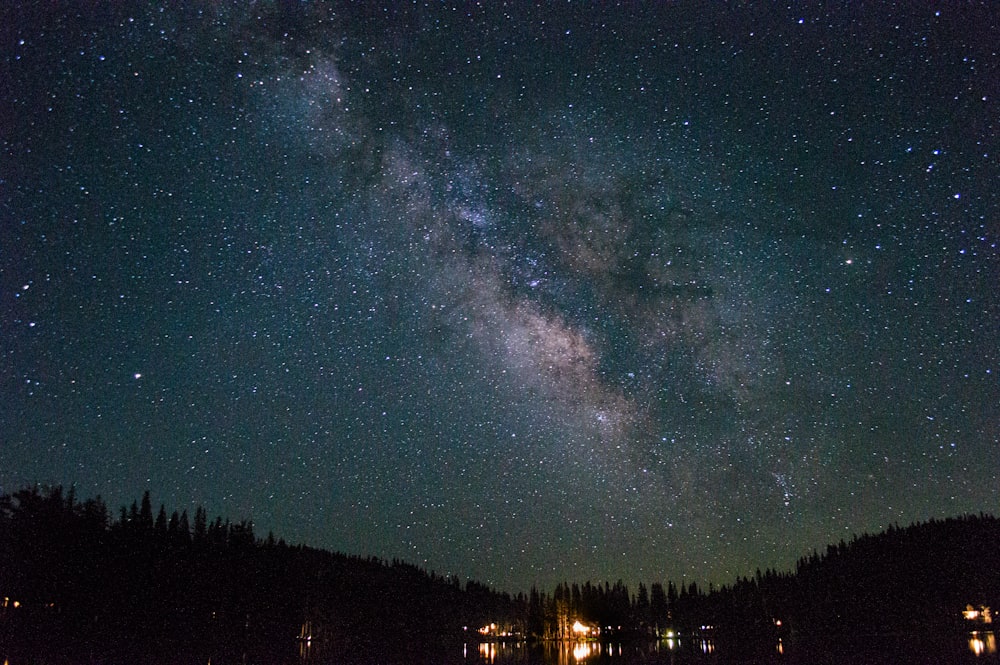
(521, 295)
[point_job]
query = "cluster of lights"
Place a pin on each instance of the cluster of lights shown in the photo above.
(983, 643)
(582, 651)
(981, 614)
(491, 629)
(488, 651)
(581, 630)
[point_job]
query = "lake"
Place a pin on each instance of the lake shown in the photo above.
(978, 647)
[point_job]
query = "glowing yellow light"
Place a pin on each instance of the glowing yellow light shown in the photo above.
(989, 642)
(981, 615)
(580, 629)
(488, 652)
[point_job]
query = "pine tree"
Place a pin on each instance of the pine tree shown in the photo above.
(160, 525)
(146, 513)
(183, 529)
(200, 525)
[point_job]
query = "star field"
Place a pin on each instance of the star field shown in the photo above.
(517, 294)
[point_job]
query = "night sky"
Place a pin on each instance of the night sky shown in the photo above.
(520, 294)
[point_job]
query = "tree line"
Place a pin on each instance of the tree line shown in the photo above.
(77, 583)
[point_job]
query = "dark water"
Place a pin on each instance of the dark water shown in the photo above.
(980, 647)
(973, 648)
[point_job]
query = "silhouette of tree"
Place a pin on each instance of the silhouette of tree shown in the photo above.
(146, 513)
(87, 586)
(160, 526)
(200, 525)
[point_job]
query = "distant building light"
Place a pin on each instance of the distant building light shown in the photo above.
(981, 614)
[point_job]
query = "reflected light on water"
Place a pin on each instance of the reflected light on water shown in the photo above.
(982, 644)
(488, 651)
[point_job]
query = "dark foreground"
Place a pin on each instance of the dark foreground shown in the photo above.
(77, 586)
(978, 647)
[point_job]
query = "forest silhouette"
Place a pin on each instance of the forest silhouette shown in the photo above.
(79, 584)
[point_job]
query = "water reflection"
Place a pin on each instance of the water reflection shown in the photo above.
(969, 648)
(702, 643)
(575, 653)
(488, 651)
(492, 652)
(983, 643)
(570, 653)
(972, 648)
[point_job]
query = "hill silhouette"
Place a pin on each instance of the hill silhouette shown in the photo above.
(77, 584)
